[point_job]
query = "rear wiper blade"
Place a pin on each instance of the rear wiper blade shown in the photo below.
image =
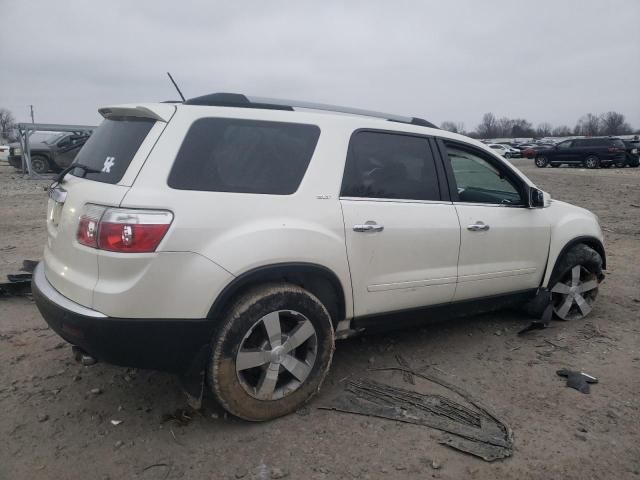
(73, 166)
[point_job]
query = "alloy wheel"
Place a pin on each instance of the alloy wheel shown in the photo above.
(277, 355)
(574, 294)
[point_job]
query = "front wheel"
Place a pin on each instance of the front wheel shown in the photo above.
(575, 282)
(40, 165)
(541, 161)
(271, 352)
(592, 162)
(507, 155)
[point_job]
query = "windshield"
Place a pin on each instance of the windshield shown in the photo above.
(54, 138)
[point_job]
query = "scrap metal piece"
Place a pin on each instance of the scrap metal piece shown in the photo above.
(577, 380)
(476, 431)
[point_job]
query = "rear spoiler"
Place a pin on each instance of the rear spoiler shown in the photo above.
(159, 112)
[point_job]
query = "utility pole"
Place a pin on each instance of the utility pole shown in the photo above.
(31, 108)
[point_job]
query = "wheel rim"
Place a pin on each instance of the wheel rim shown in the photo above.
(574, 294)
(541, 162)
(37, 165)
(591, 162)
(277, 355)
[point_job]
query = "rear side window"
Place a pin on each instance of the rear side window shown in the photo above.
(112, 147)
(244, 156)
(388, 165)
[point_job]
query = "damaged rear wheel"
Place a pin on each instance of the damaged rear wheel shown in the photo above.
(271, 352)
(574, 285)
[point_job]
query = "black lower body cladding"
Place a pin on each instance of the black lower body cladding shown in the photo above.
(170, 345)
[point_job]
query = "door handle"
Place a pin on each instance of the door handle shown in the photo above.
(369, 226)
(478, 227)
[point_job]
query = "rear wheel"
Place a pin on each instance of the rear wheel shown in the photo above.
(40, 164)
(541, 161)
(575, 282)
(507, 155)
(592, 161)
(271, 353)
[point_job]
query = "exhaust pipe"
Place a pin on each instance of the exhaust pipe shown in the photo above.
(82, 357)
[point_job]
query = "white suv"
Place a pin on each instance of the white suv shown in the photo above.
(241, 236)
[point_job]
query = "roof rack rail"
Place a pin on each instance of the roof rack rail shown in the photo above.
(243, 101)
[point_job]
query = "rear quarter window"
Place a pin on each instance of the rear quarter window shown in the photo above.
(112, 147)
(244, 156)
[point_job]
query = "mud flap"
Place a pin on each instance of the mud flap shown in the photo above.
(193, 378)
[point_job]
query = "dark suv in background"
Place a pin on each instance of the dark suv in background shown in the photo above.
(587, 152)
(55, 153)
(633, 152)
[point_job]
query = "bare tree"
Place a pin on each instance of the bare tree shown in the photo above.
(505, 125)
(561, 131)
(544, 129)
(613, 123)
(589, 125)
(522, 128)
(455, 127)
(7, 124)
(488, 128)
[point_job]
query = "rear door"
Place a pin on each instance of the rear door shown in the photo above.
(401, 229)
(504, 244)
(119, 145)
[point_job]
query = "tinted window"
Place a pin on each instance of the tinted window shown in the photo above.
(478, 180)
(618, 143)
(112, 147)
(567, 144)
(245, 156)
(386, 165)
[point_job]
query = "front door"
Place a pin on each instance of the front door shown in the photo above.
(504, 244)
(402, 236)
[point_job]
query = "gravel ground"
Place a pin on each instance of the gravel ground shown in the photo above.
(56, 419)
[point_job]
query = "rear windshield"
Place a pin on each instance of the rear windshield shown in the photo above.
(244, 156)
(618, 143)
(112, 147)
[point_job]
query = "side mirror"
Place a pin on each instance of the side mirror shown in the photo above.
(538, 198)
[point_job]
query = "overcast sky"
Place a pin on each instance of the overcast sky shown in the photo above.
(441, 60)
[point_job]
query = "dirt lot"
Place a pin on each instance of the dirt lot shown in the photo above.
(53, 426)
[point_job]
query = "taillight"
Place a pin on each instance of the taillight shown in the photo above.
(88, 227)
(123, 230)
(615, 150)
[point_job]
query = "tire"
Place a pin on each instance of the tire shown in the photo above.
(592, 162)
(40, 164)
(634, 162)
(244, 383)
(575, 281)
(541, 161)
(507, 155)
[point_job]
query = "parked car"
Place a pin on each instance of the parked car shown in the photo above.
(4, 153)
(588, 152)
(530, 151)
(503, 150)
(241, 236)
(513, 150)
(55, 153)
(632, 148)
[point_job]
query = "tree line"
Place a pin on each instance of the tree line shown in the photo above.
(610, 123)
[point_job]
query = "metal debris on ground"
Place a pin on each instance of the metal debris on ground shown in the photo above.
(578, 380)
(475, 430)
(547, 314)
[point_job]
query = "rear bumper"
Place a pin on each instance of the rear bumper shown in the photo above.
(172, 345)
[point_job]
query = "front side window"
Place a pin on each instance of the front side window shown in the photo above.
(389, 165)
(244, 156)
(479, 181)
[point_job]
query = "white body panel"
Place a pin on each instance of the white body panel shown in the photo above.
(510, 256)
(411, 263)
